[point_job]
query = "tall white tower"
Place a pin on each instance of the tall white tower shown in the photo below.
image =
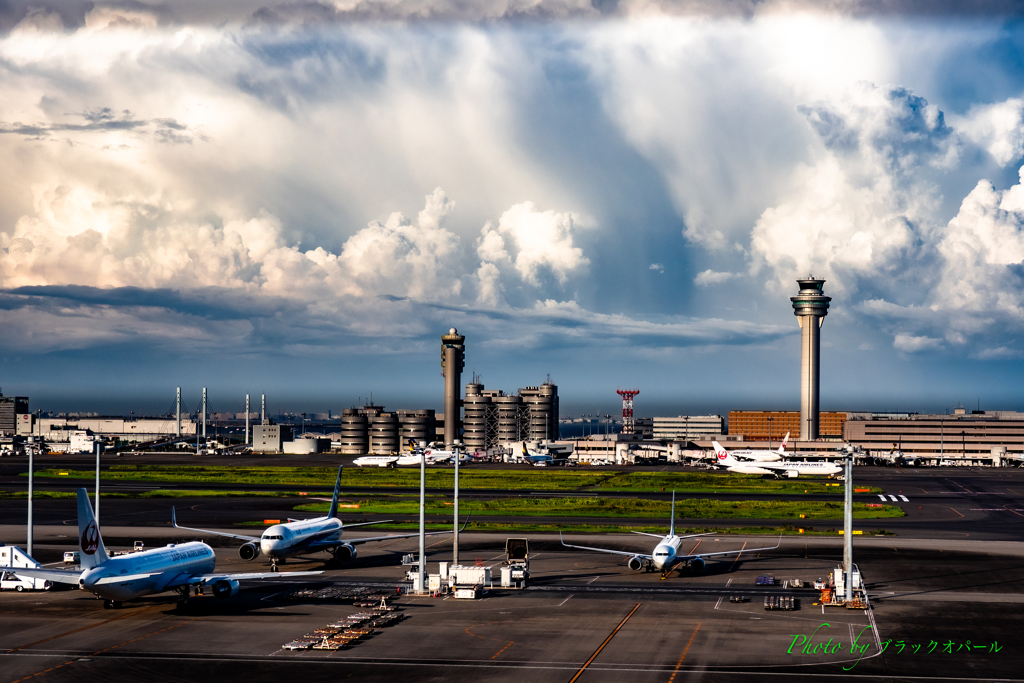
(810, 307)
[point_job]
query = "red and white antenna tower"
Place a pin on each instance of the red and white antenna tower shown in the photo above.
(627, 408)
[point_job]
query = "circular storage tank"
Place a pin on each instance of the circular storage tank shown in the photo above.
(474, 421)
(355, 434)
(384, 432)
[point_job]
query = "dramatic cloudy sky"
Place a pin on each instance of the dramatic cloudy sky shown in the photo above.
(300, 198)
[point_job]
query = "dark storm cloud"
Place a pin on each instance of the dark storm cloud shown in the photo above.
(210, 302)
(103, 120)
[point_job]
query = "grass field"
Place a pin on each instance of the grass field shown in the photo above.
(157, 493)
(522, 527)
(692, 508)
(551, 479)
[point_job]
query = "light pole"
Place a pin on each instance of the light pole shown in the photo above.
(421, 572)
(31, 453)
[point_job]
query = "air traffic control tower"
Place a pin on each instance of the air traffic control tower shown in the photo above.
(810, 307)
(453, 361)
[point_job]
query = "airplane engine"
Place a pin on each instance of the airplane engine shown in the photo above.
(792, 474)
(697, 565)
(249, 551)
(635, 563)
(224, 589)
(345, 552)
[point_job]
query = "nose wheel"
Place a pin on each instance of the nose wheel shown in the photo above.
(273, 564)
(111, 604)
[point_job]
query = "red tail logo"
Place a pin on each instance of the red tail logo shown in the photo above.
(90, 539)
(722, 455)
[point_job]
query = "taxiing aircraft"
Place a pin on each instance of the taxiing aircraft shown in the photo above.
(302, 537)
(761, 455)
(176, 567)
(665, 557)
(789, 468)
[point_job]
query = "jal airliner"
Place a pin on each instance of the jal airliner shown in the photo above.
(177, 567)
(789, 468)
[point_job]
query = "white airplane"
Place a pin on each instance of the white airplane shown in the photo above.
(432, 456)
(178, 567)
(301, 537)
(665, 557)
(762, 456)
(376, 461)
(788, 468)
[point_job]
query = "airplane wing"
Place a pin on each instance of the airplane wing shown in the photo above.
(320, 545)
(605, 550)
(706, 533)
(55, 575)
(241, 537)
(728, 552)
(202, 579)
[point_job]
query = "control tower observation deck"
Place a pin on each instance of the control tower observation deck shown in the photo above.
(810, 307)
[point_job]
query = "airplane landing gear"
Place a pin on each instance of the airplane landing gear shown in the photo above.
(111, 604)
(273, 564)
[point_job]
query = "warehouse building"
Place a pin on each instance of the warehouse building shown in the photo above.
(687, 427)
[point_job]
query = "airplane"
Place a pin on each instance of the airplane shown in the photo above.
(538, 459)
(301, 537)
(175, 567)
(789, 468)
(433, 457)
(762, 456)
(664, 557)
(376, 461)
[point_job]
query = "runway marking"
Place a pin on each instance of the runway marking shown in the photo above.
(956, 512)
(594, 579)
(84, 628)
(510, 644)
(680, 662)
(905, 499)
(893, 498)
(881, 496)
(566, 600)
(733, 566)
(606, 641)
(718, 604)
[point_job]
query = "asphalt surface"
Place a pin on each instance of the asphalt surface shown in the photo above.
(946, 593)
(585, 617)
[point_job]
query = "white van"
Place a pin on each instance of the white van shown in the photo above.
(8, 581)
(71, 557)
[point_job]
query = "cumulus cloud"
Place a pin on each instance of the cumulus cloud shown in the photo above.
(911, 344)
(537, 245)
(711, 277)
(866, 208)
(997, 128)
(658, 267)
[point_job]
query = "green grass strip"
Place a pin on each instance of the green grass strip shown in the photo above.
(550, 479)
(692, 508)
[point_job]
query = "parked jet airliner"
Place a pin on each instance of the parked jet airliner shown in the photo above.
(665, 557)
(301, 537)
(789, 468)
(178, 567)
(761, 455)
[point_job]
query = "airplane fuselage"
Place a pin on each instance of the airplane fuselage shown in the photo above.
(132, 576)
(664, 556)
(293, 538)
